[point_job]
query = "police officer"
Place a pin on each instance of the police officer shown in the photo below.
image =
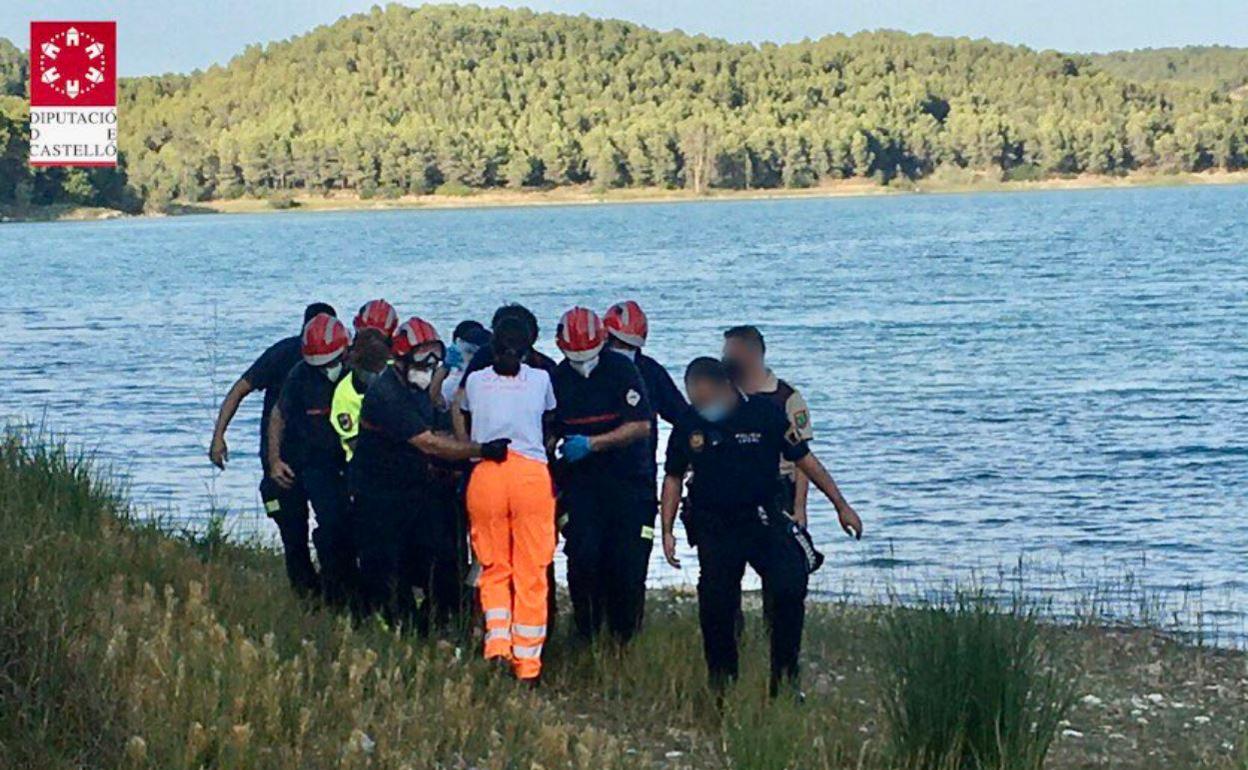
(733, 443)
(304, 449)
(403, 516)
(745, 353)
(287, 507)
(605, 477)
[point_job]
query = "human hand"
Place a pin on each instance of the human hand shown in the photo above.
(218, 452)
(575, 448)
(799, 515)
(282, 474)
(454, 357)
(849, 520)
(669, 549)
(495, 451)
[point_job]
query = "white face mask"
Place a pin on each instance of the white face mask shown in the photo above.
(629, 353)
(419, 378)
(333, 372)
(584, 368)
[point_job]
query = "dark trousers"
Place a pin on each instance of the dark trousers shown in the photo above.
(609, 536)
(326, 490)
(724, 550)
(410, 542)
(288, 508)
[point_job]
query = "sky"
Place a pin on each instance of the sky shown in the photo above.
(156, 36)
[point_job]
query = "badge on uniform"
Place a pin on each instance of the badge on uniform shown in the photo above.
(632, 397)
(345, 421)
(802, 419)
(697, 440)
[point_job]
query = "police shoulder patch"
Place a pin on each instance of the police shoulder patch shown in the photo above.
(632, 397)
(802, 419)
(697, 440)
(344, 421)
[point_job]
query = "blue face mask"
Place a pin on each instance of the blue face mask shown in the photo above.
(714, 411)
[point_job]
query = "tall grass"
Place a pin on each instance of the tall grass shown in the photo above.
(125, 645)
(970, 683)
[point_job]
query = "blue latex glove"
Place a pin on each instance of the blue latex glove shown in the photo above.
(454, 358)
(575, 448)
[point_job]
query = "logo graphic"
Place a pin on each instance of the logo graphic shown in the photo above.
(73, 93)
(632, 397)
(697, 441)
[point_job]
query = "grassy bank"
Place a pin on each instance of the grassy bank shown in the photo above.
(122, 645)
(942, 181)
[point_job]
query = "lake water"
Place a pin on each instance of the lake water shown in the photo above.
(1058, 379)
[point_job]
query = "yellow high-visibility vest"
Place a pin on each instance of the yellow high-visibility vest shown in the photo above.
(344, 413)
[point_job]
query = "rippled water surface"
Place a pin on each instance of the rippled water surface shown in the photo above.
(1058, 378)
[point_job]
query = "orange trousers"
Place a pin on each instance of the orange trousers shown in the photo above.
(511, 514)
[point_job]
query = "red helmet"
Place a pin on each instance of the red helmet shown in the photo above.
(580, 334)
(377, 314)
(324, 339)
(626, 321)
(413, 333)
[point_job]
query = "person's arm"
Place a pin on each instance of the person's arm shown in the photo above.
(848, 517)
(669, 503)
(801, 494)
(435, 388)
(799, 425)
(453, 449)
(279, 471)
(218, 450)
(675, 466)
(623, 435)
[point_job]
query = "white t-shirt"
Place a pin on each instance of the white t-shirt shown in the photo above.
(510, 407)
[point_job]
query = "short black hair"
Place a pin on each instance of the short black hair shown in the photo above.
(707, 368)
(510, 333)
(471, 331)
(749, 333)
(520, 312)
(315, 309)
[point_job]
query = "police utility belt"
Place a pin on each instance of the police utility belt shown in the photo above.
(770, 515)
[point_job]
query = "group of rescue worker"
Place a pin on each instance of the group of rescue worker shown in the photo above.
(409, 451)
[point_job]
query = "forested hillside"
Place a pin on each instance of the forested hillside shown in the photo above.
(1216, 67)
(401, 101)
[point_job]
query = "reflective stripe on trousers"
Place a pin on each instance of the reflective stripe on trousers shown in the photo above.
(511, 511)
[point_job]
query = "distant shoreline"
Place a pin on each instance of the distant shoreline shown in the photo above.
(939, 184)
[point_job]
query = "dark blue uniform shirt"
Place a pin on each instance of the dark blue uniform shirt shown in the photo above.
(392, 414)
(309, 439)
(610, 396)
(665, 398)
(268, 374)
(736, 461)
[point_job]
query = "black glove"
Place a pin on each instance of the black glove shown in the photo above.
(496, 450)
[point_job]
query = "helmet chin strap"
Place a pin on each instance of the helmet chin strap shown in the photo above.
(585, 368)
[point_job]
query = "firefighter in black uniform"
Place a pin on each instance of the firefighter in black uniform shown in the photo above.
(287, 507)
(305, 450)
(404, 496)
(733, 445)
(605, 477)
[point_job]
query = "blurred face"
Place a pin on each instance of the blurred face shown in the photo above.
(742, 357)
(712, 399)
